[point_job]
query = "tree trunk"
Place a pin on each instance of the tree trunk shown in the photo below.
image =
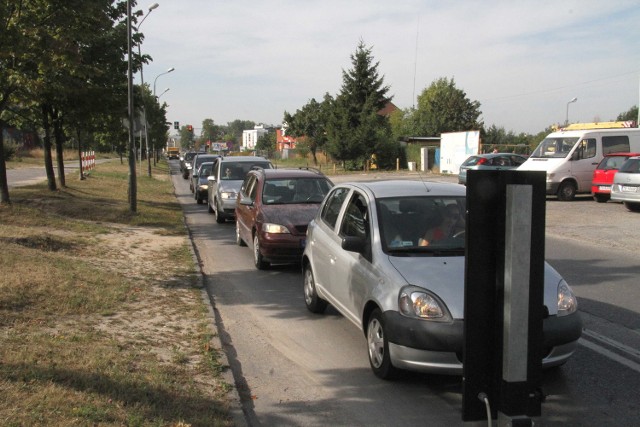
(4, 184)
(48, 162)
(58, 133)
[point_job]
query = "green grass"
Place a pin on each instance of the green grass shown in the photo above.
(101, 319)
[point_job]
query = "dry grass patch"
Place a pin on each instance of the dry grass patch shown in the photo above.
(101, 318)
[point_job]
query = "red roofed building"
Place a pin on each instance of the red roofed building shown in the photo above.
(283, 141)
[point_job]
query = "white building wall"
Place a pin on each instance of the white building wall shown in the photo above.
(250, 137)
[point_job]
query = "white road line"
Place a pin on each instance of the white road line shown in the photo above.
(608, 353)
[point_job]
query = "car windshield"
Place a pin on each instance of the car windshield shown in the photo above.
(557, 147)
(295, 190)
(236, 171)
(631, 166)
(422, 224)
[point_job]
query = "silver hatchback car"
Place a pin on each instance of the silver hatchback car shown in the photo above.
(389, 256)
(626, 184)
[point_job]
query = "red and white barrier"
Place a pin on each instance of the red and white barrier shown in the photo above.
(88, 160)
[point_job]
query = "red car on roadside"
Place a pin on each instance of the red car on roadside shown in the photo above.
(604, 173)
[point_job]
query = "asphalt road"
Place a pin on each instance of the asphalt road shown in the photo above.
(295, 368)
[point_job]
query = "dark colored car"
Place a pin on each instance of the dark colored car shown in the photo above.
(273, 210)
(493, 161)
(186, 163)
(604, 173)
(199, 159)
(201, 182)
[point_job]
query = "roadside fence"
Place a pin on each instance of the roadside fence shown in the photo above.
(88, 161)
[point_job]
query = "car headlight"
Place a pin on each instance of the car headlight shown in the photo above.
(417, 302)
(228, 195)
(567, 302)
(204, 187)
(268, 227)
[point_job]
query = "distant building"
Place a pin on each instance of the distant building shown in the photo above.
(283, 141)
(250, 137)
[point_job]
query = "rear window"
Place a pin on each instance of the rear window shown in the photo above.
(471, 161)
(631, 166)
(612, 162)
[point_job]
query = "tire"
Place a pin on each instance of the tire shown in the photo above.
(601, 198)
(633, 207)
(198, 200)
(239, 240)
(314, 303)
(219, 216)
(378, 347)
(209, 208)
(567, 191)
(258, 259)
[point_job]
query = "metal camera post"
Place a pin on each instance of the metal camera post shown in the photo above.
(504, 285)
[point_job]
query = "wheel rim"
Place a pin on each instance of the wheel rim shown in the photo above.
(375, 339)
(308, 287)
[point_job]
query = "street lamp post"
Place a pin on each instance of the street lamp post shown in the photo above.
(566, 121)
(132, 161)
(163, 92)
(156, 79)
(144, 110)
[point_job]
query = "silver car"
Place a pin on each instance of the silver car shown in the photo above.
(626, 184)
(225, 182)
(389, 256)
(492, 161)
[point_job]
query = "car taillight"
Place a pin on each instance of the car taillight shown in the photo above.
(482, 161)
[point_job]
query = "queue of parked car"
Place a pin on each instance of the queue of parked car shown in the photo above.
(388, 255)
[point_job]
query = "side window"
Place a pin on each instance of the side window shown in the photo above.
(356, 222)
(517, 161)
(331, 208)
(244, 189)
(615, 144)
(587, 148)
(253, 187)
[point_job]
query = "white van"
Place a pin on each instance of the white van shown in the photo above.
(569, 157)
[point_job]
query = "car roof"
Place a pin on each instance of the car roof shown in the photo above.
(291, 173)
(622, 154)
(407, 188)
(242, 159)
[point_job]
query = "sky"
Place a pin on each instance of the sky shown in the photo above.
(522, 60)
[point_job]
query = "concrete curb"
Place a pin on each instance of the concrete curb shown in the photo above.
(233, 398)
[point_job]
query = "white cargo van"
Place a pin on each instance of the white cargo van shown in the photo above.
(569, 157)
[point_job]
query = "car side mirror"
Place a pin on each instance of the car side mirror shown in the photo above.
(195, 175)
(246, 201)
(353, 244)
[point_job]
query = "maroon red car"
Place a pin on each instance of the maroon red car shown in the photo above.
(273, 209)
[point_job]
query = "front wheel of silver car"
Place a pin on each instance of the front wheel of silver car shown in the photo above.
(314, 303)
(218, 214)
(258, 259)
(379, 357)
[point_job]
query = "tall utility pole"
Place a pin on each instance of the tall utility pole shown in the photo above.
(133, 190)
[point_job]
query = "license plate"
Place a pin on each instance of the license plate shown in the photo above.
(628, 189)
(604, 188)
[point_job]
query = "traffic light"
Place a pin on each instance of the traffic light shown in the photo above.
(190, 128)
(176, 125)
